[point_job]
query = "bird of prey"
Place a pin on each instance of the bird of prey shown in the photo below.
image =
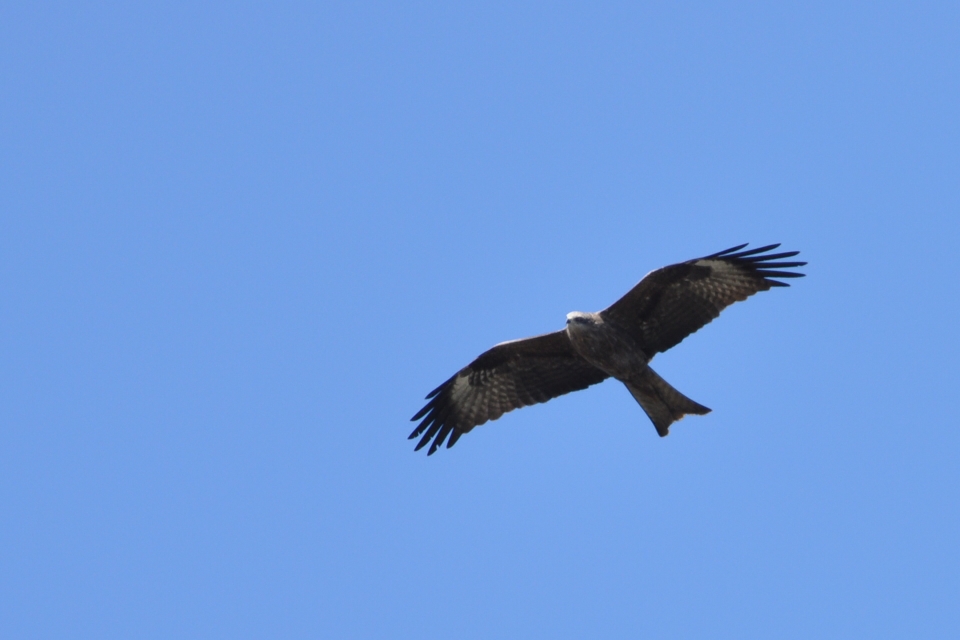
(658, 313)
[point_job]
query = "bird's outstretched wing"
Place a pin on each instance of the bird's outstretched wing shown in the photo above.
(509, 376)
(671, 303)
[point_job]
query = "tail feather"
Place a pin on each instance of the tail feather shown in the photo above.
(663, 404)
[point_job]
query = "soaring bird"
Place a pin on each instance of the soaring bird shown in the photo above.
(658, 313)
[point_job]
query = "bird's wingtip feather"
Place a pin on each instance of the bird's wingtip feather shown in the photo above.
(730, 250)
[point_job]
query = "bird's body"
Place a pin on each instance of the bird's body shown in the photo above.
(605, 345)
(665, 307)
(613, 350)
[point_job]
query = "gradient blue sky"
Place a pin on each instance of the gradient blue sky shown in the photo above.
(239, 242)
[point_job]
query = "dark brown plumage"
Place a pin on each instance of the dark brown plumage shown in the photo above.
(658, 313)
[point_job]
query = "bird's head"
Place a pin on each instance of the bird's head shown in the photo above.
(581, 318)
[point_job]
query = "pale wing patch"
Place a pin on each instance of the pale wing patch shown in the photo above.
(724, 271)
(461, 389)
(719, 266)
(727, 280)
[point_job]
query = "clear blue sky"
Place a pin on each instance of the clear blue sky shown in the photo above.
(240, 242)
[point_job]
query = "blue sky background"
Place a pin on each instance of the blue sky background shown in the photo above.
(240, 242)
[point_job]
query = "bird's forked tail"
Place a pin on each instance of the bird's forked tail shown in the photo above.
(663, 404)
